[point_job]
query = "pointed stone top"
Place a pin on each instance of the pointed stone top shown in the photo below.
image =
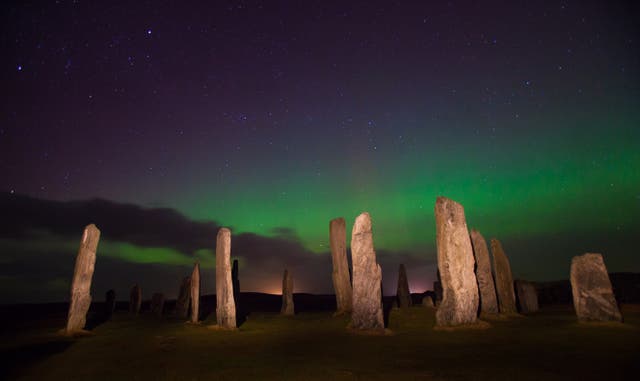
(224, 232)
(91, 236)
(362, 224)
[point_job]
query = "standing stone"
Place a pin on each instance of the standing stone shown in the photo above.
(341, 276)
(109, 304)
(225, 307)
(427, 301)
(135, 299)
(195, 293)
(157, 303)
(455, 262)
(367, 275)
(504, 279)
(593, 296)
(403, 294)
(287, 294)
(81, 283)
(184, 296)
(488, 298)
(236, 283)
(527, 296)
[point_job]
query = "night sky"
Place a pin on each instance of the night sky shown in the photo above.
(162, 121)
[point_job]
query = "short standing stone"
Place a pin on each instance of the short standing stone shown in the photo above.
(195, 293)
(593, 297)
(527, 296)
(135, 299)
(81, 283)
(341, 277)
(427, 301)
(367, 275)
(287, 294)
(157, 303)
(184, 296)
(109, 303)
(456, 264)
(488, 298)
(225, 306)
(403, 294)
(504, 279)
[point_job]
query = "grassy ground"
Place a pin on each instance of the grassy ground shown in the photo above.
(549, 345)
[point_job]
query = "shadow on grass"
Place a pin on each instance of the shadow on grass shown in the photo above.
(20, 358)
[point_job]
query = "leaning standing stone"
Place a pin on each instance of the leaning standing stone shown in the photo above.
(488, 299)
(184, 296)
(81, 284)
(109, 304)
(195, 293)
(527, 296)
(593, 296)
(403, 294)
(504, 279)
(287, 294)
(225, 307)
(341, 277)
(367, 275)
(135, 299)
(455, 262)
(157, 303)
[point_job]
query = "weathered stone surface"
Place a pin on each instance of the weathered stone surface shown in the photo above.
(504, 279)
(456, 264)
(367, 275)
(81, 283)
(184, 297)
(109, 303)
(427, 301)
(236, 282)
(403, 294)
(287, 294)
(593, 297)
(135, 299)
(526, 296)
(488, 298)
(195, 293)
(157, 303)
(225, 306)
(341, 276)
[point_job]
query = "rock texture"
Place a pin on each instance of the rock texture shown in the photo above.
(403, 294)
(109, 304)
(341, 276)
(81, 283)
(593, 297)
(135, 299)
(526, 296)
(157, 303)
(184, 297)
(488, 298)
(456, 265)
(367, 275)
(504, 279)
(195, 293)
(287, 294)
(427, 301)
(225, 306)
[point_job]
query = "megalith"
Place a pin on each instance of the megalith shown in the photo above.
(341, 276)
(225, 306)
(504, 279)
(526, 296)
(184, 296)
(367, 294)
(135, 299)
(593, 297)
(236, 282)
(195, 293)
(403, 295)
(287, 294)
(81, 283)
(488, 298)
(456, 265)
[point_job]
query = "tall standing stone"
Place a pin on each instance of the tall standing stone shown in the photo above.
(526, 296)
(341, 276)
(225, 307)
(184, 296)
(593, 297)
(367, 275)
(287, 294)
(403, 294)
(81, 283)
(504, 279)
(157, 303)
(488, 298)
(455, 262)
(236, 283)
(195, 293)
(109, 304)
(135, 299)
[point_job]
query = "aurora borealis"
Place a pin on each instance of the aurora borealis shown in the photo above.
(274, 117)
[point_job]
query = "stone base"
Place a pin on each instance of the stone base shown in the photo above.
(608, 324)
(216, 327)
(479, 324)
(76, 333)
(371, 332)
